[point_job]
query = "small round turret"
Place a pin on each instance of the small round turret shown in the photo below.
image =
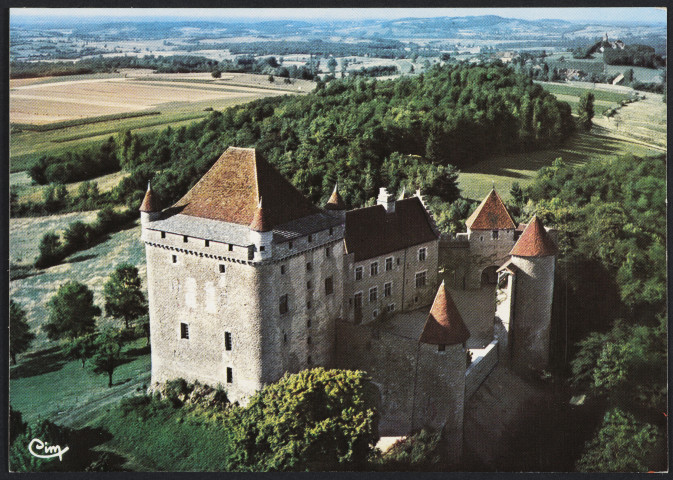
(149, 209)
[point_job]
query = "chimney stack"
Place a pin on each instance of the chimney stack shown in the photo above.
(386, 199)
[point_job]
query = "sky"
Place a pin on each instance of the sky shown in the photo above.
(585, 15)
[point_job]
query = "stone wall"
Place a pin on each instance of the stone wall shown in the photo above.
(483, 363)
(402, 277)
(531, 325)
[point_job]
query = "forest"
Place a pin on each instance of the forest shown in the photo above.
(611, 218)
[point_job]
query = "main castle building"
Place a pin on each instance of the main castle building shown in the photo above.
(248, 280)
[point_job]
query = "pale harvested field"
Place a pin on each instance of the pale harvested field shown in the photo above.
(26, 191)
(51, 102)
(643, 121)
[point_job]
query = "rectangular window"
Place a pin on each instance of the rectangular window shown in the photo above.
(390, 307)
(373, 293)
(327, 251)
(163, 234)
(420, 279)
(282, 304)
(309, 285)
(388, 289)
(227, 341)
(329, 286)
(231, 247)
(308, 340)
(389, 264)
(230, 375)
(308, 323)
(207, 243)
(494, 234)
(310, 238)
(421, 254)
(358, 273)
(174, 258)
(282, 269)
(184, 331)
(374, 269)
(308, 305)
(441, 348)
(357, 300)
(222, 268)
(262, 248)
(331, 231)
(309, 266)
(185, 238)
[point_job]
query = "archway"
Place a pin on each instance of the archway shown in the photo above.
(489, 276)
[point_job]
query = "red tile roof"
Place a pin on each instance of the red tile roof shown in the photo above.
(231, 189)
(150, 202)
(444, 325)
(534, 241)
(491, 214)
(372, 232)
(335, 202)
(260, 222)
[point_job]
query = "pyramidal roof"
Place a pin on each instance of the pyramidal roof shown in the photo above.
(491, 214)
(335, 202)
(231, 190)
(444, 325)
(534, 241)
(150, 202)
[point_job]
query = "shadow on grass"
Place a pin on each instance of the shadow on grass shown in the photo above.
(80, 258)
(38, 363)
(138, 352)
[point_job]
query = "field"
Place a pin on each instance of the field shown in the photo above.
(178, 98)
(638, 128)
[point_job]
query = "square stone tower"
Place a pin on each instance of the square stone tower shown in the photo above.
(244, 278)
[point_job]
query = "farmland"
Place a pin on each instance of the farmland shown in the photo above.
(101, 104)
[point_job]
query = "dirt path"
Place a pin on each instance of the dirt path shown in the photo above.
(80, 416)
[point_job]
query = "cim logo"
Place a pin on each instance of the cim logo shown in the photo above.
(40, 449)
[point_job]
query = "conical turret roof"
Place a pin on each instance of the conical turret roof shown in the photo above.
(444, 325)
(534, 241)
(335, 202)
(150, 202)
(491, 214)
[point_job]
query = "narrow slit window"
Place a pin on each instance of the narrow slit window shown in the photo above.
(185, 238)
(184, 331)
(329, 286)
(231, 247)
(309, 266)
(230, 375)
(227, 341)
(222, 268)
(163, 234)
(331, 231)
(282, 304)
(207, 242)
(310, 238)
(174, 258)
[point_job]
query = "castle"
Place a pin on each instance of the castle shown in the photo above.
(248, 280)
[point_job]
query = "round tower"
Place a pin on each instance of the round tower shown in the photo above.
(149, 209)
(261, 233)
(534, 255)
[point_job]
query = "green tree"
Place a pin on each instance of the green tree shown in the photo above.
(72, 312)
(107, 353)
(50, 250)
(517, 194)
(80, 348)
(313, 420)
(216, 73)
(20, 335)
(332, 65)
(124, 298)
(586, 110)
(77, 235)
(622, 444)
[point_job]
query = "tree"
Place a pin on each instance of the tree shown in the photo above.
(77, 235)
(72, 312)
(517, 194)
(20, 335)
(50, 250)
(80, 348)
(586, 110)
(124, 298)
(216, 73)
(332, 65)
(313, 420)
(106, 353)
